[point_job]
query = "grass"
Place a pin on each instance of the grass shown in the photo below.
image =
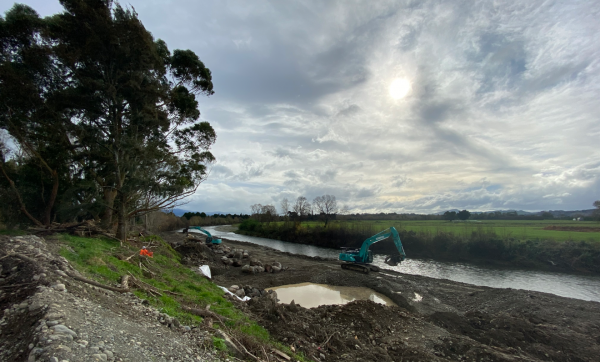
(101, 259)
(504, 229)
(523, 242)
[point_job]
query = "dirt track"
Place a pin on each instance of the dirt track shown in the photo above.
(450, 320)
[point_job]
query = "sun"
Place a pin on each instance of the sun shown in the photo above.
(399, 88)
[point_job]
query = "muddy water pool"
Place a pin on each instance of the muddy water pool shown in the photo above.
(310, 295)
(585, 287)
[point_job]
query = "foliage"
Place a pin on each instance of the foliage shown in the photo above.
(450, 215)
(463, 215)
(105, 116)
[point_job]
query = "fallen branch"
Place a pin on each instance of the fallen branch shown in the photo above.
(96, 284)
(15, 285)
(245, 350)
(153, 288)
(324, 343)
(205, 313)
(25, 257)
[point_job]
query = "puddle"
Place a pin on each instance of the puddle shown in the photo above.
(311, 295)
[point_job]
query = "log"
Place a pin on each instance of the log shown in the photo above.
(204, 313)
(96, 284)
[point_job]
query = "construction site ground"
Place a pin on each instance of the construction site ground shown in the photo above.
(435, 319)
(50, 316)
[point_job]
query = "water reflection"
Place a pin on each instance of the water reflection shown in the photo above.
(311, 295)
(567, 285)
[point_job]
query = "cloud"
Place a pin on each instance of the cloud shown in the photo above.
(503, 110)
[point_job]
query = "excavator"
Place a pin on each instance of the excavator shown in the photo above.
(360, 259)
(209, 238)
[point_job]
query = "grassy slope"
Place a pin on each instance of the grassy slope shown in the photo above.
(100, 259)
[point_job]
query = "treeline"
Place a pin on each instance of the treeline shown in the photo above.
(482, 245)
(98, 120)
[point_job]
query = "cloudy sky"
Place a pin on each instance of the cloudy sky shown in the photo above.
(502, 109)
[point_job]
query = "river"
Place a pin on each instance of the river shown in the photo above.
(585, 287)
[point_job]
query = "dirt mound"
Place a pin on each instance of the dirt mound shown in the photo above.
(512, 334)
(584, 229)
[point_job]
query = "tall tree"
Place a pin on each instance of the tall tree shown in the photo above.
(326, 206)
(136, 108)
(302, 207)
(101, 107)
(30, 113)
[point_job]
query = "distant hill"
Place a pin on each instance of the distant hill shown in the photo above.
(555, 213)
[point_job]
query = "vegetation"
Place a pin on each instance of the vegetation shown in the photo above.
(517, 242)
(104, 117)
(103, 260)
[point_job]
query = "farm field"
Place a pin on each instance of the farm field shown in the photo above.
(557, 230)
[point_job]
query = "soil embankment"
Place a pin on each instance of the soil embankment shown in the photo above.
(435, 319)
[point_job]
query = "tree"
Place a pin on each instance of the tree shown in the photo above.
(450, 215)
(326, 206)
(463, 215)
(30, 111)
(597, 211)
(547, 215)
(99, 105)
(302, 207)
(285, 206)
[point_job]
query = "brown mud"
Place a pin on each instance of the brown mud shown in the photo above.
(435, 319)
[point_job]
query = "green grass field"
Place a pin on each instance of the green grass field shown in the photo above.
(505, 229)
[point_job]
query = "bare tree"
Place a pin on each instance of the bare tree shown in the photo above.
(285, 206)
(255, 209)
(326, 206)
(268, 213)
(302, 207)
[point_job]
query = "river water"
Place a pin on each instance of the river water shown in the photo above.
(585, 287)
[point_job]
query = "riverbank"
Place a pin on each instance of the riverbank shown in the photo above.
(435, 319)
(480, 247)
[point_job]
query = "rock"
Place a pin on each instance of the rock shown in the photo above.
(245, 254)
(254, 262)
(62, 329)
(60, 287)
(248, 269)
(109, 354)
(237, 262)
(276, 269)
(233, 288)
(100, 357)
(53, 359)
(268, 268)
(226, 260)
(240, 293)
(61, 273)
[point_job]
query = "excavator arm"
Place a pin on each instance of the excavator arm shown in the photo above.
(365, 256)
(209, 237)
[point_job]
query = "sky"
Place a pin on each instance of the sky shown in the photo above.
(393, 106)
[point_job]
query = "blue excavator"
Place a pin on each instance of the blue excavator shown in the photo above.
(360, 259)
(209, 238)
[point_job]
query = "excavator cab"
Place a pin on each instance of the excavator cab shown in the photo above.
(360, 259)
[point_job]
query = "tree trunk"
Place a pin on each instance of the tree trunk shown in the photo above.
(122, 218)
(48, 211)
(109, 201)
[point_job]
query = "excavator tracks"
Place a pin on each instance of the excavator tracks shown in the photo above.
(357, 267)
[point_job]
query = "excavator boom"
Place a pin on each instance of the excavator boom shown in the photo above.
(365, 256)
(209, 237)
